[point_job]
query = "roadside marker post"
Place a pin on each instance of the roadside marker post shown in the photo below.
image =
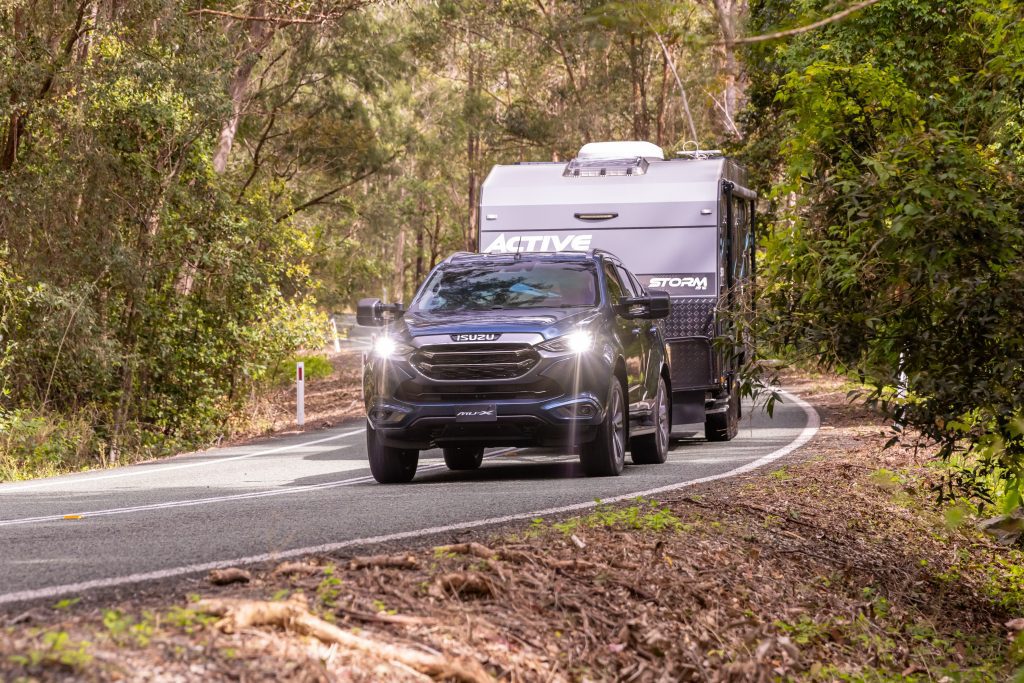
(300, 393)
(334, 330)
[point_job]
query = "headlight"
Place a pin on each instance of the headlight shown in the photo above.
(579, 341)
(388, 347)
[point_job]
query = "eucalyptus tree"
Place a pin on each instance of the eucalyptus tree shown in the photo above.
(894, 157)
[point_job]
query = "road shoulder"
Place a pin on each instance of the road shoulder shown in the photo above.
(829, 563)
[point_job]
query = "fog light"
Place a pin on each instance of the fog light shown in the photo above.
(382, 415)
(583, 410)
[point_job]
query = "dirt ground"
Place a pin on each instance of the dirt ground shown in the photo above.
(328, 401)
(832, 565)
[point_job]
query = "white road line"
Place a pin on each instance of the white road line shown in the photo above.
(17, 487)
(808, 432)
(190, 502)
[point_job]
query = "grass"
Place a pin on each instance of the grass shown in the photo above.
(644, 515)
(55, 648)
(35, 444)
(314, 367)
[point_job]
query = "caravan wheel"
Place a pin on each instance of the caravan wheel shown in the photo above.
(724, 426)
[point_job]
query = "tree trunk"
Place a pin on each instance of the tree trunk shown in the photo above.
(472, 152)
(398, 291)
(420, 229)
(15, 124)
(15, 129)
(727, 12)
(662, 101)
(257, 36)
(634, 77)
(435, 239)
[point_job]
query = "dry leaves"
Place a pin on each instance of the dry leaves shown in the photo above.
(813, 570)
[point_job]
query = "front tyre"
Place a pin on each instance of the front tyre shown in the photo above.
(463, 457)
(390, 465)
(605, 456)
(652, 449)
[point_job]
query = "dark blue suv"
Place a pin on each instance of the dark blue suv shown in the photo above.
(561, 349)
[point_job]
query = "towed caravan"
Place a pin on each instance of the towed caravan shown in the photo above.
(684, 225)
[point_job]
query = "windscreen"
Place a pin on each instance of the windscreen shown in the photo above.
(516, 284)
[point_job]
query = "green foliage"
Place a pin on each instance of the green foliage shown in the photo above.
(55, 648)
(329, 588)
(895, 246)
(180, 192)
(188, 620)
(33, 445)
(142, 299)
(646, 515)
(66, 603)
(314, 367)
(125, 629)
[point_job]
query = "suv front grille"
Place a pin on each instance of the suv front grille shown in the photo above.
(475, 361)
(432, 393)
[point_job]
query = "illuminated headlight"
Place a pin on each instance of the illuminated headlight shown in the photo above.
(579, 341)
(388, 347)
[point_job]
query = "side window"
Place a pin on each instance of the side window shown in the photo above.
(739, 235)
(615, 289)
(630, 284)
(637, 287)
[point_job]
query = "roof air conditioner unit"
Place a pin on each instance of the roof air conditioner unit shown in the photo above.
(627, 149)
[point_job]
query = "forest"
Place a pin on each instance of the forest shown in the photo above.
(187, 189)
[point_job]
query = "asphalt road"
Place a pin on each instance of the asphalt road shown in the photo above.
(313, 493)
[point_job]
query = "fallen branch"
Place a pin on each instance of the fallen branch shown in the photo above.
(473, 548)
(465, 584)
(570, 564)
(294, 615)
(390, 561)
(303, 568)
(223, 577)
(399, 619)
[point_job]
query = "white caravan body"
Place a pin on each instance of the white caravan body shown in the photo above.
(683, 225)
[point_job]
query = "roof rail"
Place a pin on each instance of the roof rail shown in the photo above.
(452, 257)
(519, 254)
(700, 154)
(602, 252)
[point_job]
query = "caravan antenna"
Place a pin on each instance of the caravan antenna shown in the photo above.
(697, 152)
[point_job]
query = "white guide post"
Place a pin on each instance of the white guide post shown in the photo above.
(334, 330)
(300, 393)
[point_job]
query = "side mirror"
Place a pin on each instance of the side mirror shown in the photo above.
(657, 304)
(370, 312)
(660, 305)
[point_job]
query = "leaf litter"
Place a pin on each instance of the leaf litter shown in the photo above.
(831, 565)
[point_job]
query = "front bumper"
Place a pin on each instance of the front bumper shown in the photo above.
(559, 402)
